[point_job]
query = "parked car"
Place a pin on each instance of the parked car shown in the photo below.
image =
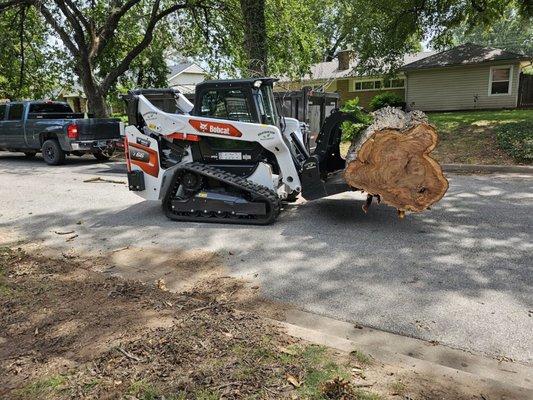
(53, 129)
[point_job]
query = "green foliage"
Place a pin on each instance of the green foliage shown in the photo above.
(509, 32)
(350, 130)
(386, 99)
(382, 31)
(517, 140)
(28, 67)
(293, 40)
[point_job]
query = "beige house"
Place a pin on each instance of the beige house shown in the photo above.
(462, 78)
(466, 77)
(338, 76)
(185, 76)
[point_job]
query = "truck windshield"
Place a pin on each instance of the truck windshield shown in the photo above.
(42, 108)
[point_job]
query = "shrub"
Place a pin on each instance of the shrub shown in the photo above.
(351, 130)
(517, 140)
(386, 99)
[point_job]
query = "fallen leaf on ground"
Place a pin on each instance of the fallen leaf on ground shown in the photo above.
(161, 285)
(293, 381)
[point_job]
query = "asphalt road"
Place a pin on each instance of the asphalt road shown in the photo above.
(460, 274)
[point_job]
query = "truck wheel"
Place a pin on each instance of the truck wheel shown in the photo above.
(30, 154)
(52, 152)
(103, 156)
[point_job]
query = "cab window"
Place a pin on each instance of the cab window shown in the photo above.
(2, 111)
(15, 112)
(230, 104)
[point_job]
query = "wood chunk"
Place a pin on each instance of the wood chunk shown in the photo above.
(392, 159)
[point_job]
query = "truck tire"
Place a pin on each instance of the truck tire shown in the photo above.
(52, 152)
(30, 154)
(103, 156)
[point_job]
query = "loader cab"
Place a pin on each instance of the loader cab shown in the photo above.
(245, 100)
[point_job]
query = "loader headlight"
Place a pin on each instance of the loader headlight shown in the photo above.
(257, 84)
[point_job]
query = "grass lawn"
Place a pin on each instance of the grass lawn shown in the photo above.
(469, 137)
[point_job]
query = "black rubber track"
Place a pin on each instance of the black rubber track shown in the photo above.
(256, 192)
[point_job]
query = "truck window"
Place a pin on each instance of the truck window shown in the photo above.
(15, 112)
(41, 108)
(2, 111)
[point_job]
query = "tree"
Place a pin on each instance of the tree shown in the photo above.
(382, 31)
(87, 30)
(510, 33)
(232, 45)
(27, 66)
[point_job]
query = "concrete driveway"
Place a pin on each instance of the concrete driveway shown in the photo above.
(460, 274)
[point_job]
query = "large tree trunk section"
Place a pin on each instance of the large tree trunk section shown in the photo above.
(391, 159)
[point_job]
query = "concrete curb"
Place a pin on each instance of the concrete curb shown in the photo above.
(454, 367)
(488, 169)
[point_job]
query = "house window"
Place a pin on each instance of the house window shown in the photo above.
(500, 80)
(397, 83)
(378, 84)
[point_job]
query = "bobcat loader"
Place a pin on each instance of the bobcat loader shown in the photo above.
(230, 157)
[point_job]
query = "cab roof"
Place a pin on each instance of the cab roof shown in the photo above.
(235, 82)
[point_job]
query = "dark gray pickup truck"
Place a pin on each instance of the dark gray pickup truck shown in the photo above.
(53, 129)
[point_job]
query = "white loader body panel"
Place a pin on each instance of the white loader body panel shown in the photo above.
(169, 126)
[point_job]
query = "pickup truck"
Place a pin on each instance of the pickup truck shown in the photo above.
(54, 130)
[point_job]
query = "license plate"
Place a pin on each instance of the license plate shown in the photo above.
(228, 155)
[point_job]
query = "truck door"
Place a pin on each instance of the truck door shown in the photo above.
(13, 126)
(3, 108)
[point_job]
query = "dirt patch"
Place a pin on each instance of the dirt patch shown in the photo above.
(197, 272)
(69, 330)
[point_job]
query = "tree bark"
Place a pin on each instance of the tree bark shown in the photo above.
(255, 36)
(391, 159)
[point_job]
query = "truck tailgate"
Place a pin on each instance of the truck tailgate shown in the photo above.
(98, 128)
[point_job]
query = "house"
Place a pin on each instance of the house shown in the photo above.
(465, 77)
(75, 98)
(185, 76)
(339, 76)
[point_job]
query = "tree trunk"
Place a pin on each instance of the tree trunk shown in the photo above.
(255, 36)
(96, 101)
(391, 159)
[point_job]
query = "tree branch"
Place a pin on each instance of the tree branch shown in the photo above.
(79, 35)
(105, 33)
(88, 27)
(143, 44)
(65, 37)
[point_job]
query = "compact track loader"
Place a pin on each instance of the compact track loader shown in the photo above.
(230, 157)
